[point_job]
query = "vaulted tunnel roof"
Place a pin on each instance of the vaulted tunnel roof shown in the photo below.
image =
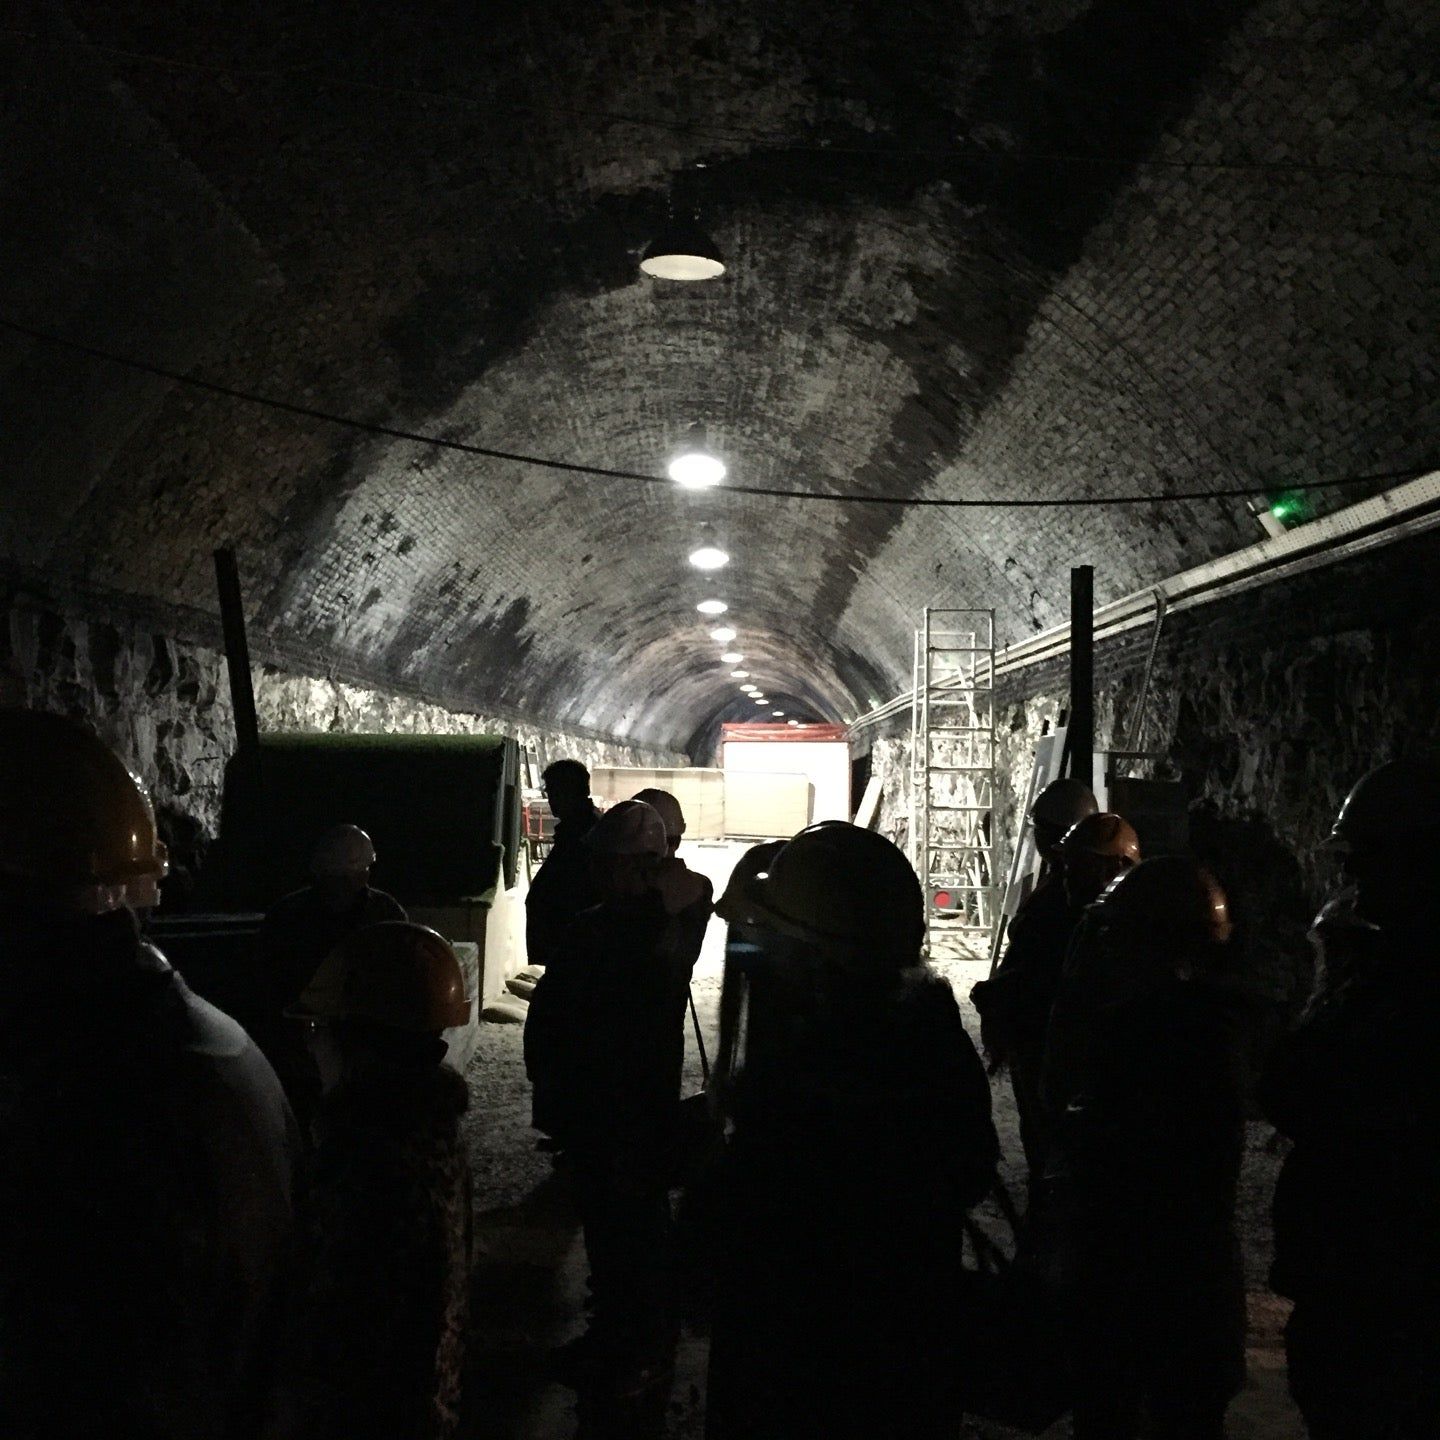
(974, 250)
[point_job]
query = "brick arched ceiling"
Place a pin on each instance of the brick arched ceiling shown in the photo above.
(1045, 248)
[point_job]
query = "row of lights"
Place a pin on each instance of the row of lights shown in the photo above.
(684, 252)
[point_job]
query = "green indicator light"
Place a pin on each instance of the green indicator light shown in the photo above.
(1288, 508)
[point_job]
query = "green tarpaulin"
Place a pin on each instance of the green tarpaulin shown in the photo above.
(442, 809)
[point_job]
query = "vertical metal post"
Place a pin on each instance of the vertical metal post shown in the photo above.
(237, 652)
(1080, 736)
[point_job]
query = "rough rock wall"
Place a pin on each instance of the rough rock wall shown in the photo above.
(1268, 706)
(164, 704)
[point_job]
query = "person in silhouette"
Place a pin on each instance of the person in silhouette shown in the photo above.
(872, 1114)
(1355, 1087)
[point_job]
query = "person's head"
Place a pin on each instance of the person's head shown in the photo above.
(627, 846)
(1167, 917)
(77, 830)
(1059, 806)
(566, 785)
(1388, 834)
(386, 991)
(847, 891)
(1093, 852)
(667, 807)
(340, 865)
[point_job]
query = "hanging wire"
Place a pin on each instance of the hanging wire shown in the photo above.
(438, 442)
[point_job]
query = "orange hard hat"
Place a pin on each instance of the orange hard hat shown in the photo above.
(76, 825)
(1171, 899)
(396, 974)
(1103, 833)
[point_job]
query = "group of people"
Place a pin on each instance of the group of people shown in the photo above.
(189, 1247)
(192, 1246)
(857, 1130)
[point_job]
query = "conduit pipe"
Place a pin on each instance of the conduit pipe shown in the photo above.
(1394, 515)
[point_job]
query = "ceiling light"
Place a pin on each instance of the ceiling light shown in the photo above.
(712, 607)
(739, 674)
(778, 714)
(723, 636)
(759, 699)
(750, 687)
(697, 469)
(682, 251)
(730, 657)
(707, 557)
(793, 722)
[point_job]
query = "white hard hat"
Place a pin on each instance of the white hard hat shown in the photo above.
(343, 850)
(667, 807)
(1394, 804)
(629, 828)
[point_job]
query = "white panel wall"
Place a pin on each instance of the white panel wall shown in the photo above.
(825, 763)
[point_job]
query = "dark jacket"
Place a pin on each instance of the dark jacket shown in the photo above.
(380, 1318)
(1357, 1089)
(561, 889)
(300, 931)
(1147, 1159)
(604, 1038)
(1014, 1005)
(146, 1156)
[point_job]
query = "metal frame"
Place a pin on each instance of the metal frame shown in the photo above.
(952, 779)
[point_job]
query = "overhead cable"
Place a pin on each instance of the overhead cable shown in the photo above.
(601, 472)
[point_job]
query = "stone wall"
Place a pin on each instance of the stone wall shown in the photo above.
(164, 704)
(1268, 706)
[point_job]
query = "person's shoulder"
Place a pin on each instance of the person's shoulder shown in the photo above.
(380, 905)
(295, 902)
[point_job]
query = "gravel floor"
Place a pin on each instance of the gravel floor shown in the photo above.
(529, 1286)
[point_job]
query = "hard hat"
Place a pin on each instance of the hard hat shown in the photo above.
(734, 906)
(1102, 834)
(1394, 803)
(1062, 803)
(75, 823)
(397, 974)
(1170, 900)
(342, 850)
(629, 828)
(667, 807)
(841, 886)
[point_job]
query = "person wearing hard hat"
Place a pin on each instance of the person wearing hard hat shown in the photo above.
(298, 932)
(562, 886)
(1354, 1087)
(612, 1032)
(146, 1149)
(1014, 1005)
(854, 1155)
(1145, 1161)
(1092, 854)
(379, 1321)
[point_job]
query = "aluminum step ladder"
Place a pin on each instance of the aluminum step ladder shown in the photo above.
(952, 779)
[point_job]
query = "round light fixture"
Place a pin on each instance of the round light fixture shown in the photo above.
(731, 657)
(723, 636)
(792, 722)
(739, 674)
(778, 714)
(712, 607)
(697, 470)
(682, 251)
(707, 557)
(759, 699)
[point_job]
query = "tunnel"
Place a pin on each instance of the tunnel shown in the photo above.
(1008, 289)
